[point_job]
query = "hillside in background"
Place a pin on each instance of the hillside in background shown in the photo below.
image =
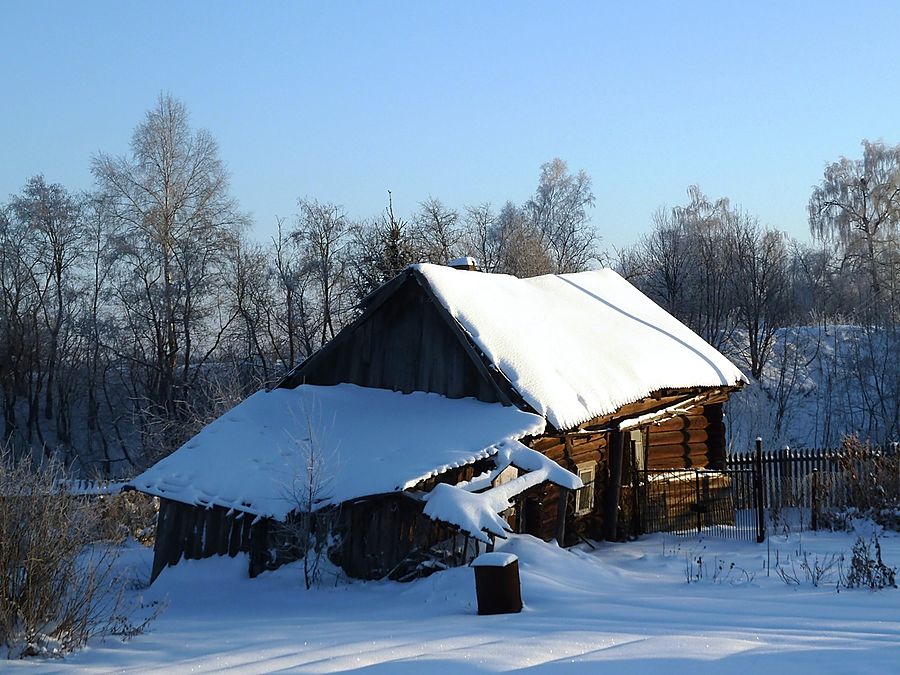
(822, 382)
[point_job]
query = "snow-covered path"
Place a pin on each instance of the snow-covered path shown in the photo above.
(625, 608)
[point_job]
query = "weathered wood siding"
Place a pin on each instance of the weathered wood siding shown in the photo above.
(388, 536)
(406, 345)
(378, 534)
(195, 532)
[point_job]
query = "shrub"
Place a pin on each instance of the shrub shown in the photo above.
(867, 486)
(811, 569)
(58, 583)
(867, 569)
(127, 514)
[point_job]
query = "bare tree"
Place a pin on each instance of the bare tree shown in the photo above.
(758, 267)
(666, 262)
(297, 314)
(19, 322)
(53, 215)
(438, 232)
(480, 236)
(858, 204)
(681, 264)
(323, 231)
(175, 220)
(559, 211)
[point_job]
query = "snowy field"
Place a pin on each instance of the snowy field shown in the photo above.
(624, 608)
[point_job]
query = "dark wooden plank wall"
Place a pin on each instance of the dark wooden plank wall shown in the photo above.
(379, 533)
(387, 536)
(406, 345)
(195, 532)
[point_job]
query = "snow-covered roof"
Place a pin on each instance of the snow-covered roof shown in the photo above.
(577, 346)
(354, 441)
(467, 261)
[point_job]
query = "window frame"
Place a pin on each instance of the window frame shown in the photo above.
(638, 437)
(587, 492)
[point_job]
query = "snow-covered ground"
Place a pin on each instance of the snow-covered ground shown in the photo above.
(623, 608)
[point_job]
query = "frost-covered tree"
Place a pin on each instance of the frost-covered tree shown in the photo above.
(559, 212)
(323, 232)
(681, 264)
(857, 205)
(176, 219)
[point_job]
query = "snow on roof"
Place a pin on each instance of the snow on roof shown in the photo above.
(466, 261)
(577, 346)
(478, 513)
(358, 441)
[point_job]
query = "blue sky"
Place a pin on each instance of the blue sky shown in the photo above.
(463, 101)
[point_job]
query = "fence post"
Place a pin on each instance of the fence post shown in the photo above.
(697, 501)
(814, 518)
(758, 489)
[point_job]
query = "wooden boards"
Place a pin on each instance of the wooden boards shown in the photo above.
(195, 532)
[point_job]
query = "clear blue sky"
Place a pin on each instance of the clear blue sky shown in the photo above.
(461, 100)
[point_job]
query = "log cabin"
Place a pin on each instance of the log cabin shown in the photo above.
(459, 396)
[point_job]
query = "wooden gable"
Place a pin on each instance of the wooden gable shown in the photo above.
(403, 341)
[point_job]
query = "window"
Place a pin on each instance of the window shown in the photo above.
(640, 454)
(584, 498)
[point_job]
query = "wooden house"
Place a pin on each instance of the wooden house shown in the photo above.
(610, 384)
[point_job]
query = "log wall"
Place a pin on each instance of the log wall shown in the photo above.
(541, 506)
(694, 440)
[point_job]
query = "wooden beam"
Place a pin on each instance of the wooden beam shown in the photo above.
(613, 487)
(561, 507)
(674, 410)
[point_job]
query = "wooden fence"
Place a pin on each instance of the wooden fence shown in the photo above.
(83, 487)
(816, 478)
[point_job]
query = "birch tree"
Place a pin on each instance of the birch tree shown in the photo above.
(170, 199)
(857, 204)
(559, 211)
